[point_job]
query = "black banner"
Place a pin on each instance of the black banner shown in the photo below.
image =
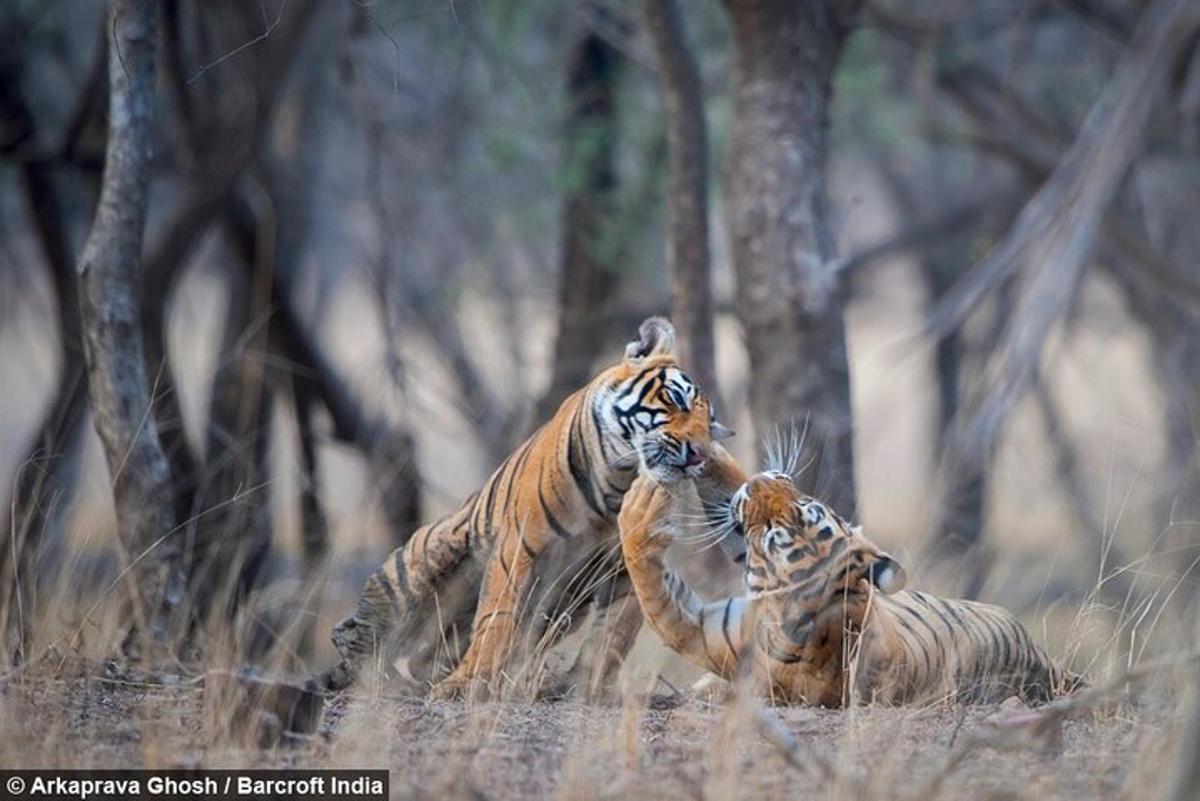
(98, 785)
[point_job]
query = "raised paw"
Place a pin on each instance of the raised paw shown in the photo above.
(644, 503)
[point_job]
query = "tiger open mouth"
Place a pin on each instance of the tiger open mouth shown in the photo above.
(671, 461)
(681, 461)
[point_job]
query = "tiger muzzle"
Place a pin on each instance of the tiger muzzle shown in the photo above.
(692, 459)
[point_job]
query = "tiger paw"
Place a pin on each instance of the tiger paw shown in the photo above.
(459, 688)
(645, 505)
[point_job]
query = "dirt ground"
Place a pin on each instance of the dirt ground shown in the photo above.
(87, 717)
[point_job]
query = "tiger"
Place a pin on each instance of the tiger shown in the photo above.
(824, 620)
(468, 577)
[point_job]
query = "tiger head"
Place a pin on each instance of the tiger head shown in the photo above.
(662, 418)
(795, 541)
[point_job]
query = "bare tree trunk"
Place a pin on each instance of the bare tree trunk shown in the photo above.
(789, 299)
(1120, 586)
(45, 477)
(1174, 337)
(959, 525)
(314, 524)
(962, 472)
(1166, 209)
(220, 146)
(110, 314)
(391, 452)
(589, 269)
(233, 535)
(1176, 340)
(964, 479)
(49, 469)
(687, 192)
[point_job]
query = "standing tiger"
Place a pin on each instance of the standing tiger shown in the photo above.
(545, 517)
(823, 616)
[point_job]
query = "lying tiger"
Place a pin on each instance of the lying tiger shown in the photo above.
(545, 517)
(823, 621)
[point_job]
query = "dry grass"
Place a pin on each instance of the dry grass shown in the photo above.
(74, 715)
(69, 709)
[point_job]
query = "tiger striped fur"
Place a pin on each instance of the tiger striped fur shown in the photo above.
(823, 621)
(546, 516)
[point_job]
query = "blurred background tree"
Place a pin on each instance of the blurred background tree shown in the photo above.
(952, 243)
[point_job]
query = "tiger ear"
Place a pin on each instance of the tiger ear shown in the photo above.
(717, 431)
(656, 337)
(887, 575)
